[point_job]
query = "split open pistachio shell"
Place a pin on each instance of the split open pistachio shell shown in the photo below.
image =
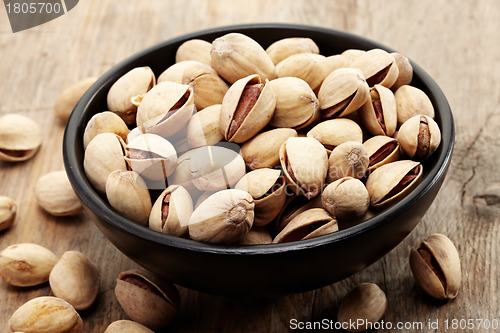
(166, 109)
(256, 236)
(203, 127)
(411, 101)
(351, 55)
(379, 114)
(391, 182)
(68, 98)
(381, 150)
(235, 56)
(305, 164)
(293, 206)
(171, 212)
(208, 87)
(20, 138)
(286, 47)
(378, 67)
(126, 326)
(224, 217)
(267, 188)
(56, 196)
(349, 159)
(246, 109)
(405, 70)
(332, 63)
(125, 94)
(311, 223)
(343, 92)
(8, 209)
(104, 122)
(334, 132)
(306, 66)
(194, 49)
(419, 137)
(296, 103)
(346, 198)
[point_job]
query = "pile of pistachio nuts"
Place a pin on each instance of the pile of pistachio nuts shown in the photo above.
(237, 144)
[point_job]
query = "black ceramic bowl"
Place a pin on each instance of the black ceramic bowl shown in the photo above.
(260, 270)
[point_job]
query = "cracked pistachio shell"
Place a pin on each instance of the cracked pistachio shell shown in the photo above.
(378, 114)
(56, 196)
(305, 164)
(151, 156)
(286, 47)
(381, 150)
(129, 195)
(366, 303)
(262, 151)
(333, 132)
(125, 94)
(75, 279)
(405, 70)
(126, 326)
(306, 66)
(332, 63)
(256, 236)
(247, 107)
(311, 223)
(134, 134)
(203, 127)
(235, 56)
(296, 103)
(351, 55)
(343, 92)
(194, 49)
(105, 122)
(208, 87)
(346, 198)
(224, 217)
(20, 138)
(171, 212)
(391, 182)
(104, 154)
(46, 315)
(8, 210)
(166, 109)
(419, 137)
(26, 264)
(146, 299)
(68, 98)
(410, 102)
(182, 174)
(267, 188)
(378, 67)
(349, 159)
(293, 206)
(435, 264)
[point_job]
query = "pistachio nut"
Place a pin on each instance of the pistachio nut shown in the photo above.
(381, 150)
(346, 198)
(182, 174)
(349, 159)
(171, 212)
(411, 101)
(306, 66)
(166, 109)
(146, 299)
(378, 67)
(262, 151)
(256, 236)
(333, 132)
(405, 71)
(435, 264)
(128, 194)
(224, 217)
(126, 326)
(246, 109)
(127, 92)
(350, 56)
(305, 164)
(267, 188)
(293, 206)
(364, 305)
(104, 154)
(391, 182)
(26, 264)
(46, 314)
(20, 138)
(66, 101)
(56, 196)
(332, 63)
(134, 133)
(343, 92)
(208, 87)
(311, 223)
(194, 49)
(296, 103)
(75, 279)
(235, 56)
(8, 209)
(286, 47)
(104, 122)
(378, 114)
(203, 127)
(419, 137)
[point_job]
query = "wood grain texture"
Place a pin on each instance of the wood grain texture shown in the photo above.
(456, 42)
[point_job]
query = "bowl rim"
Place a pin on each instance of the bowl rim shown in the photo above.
(93, 201)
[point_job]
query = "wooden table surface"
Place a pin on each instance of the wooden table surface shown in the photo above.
(456, 42)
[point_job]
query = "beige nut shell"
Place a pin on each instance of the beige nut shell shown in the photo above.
(381, 150)
(8, 210)
(20, 138)
(334, 132)
(412, 101)
(306, 66)
(194, 49)
(66, 101)
(349, 159)
(346, 198)
(126, 326)
(389, 120)
(203, 128)
(180, 208)
(408, 136)
(376, 61)
(55, 195)
(286, 47)
(311, 223)
(105, 122)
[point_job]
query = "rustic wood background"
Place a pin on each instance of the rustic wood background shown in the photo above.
(456, 42)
